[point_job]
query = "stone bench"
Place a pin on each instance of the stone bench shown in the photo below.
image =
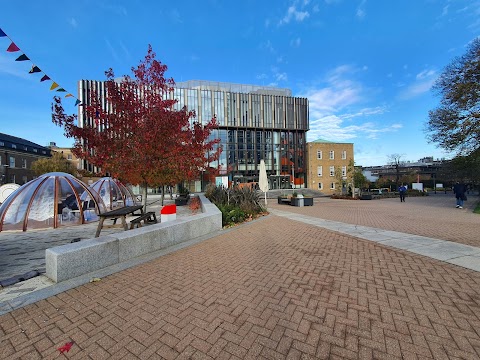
(84, 257)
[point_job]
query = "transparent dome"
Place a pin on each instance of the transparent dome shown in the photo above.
(51, 200)
(113, 193)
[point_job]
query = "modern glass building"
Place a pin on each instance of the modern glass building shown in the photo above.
(254, 123)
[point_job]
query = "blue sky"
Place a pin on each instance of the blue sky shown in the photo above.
(366, 66)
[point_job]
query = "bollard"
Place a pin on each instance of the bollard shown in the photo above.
(168, 213)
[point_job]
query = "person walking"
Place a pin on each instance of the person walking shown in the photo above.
(402, 190)
(459, 191)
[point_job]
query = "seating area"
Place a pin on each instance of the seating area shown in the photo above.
(182, 200)
(147, 218)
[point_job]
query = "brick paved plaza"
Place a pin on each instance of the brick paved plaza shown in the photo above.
(275, 288)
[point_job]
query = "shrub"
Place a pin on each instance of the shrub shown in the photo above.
(194, 204)
(236, 205)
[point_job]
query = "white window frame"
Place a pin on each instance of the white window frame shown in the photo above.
(332, 171)
(344, 155)
(24, 163)
(319, 154)
(344, 170)
(320, 186)
(332, 186)
(11, 162)
(332, 155)
(320, 171)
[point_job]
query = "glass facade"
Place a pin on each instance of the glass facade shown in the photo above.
(260, 123)
(254, 123)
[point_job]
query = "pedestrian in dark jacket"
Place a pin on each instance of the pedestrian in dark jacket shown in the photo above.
(459, 191)
(402, 190)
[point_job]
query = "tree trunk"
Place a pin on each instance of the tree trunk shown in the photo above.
(163, 193)
(144, 197)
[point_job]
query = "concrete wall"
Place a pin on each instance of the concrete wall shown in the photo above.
(72, 260)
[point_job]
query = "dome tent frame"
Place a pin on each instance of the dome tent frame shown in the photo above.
(42, 203)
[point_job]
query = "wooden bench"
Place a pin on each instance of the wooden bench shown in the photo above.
(147, 218)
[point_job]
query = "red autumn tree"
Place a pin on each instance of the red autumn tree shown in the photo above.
(137, 136)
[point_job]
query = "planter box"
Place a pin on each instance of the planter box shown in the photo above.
(283, 200)
(366, 197)
(297, 201)
(308, 201)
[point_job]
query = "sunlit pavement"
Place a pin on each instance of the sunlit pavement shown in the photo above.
(276, 288)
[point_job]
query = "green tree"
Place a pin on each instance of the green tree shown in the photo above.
(455, 124)
(56, 163)
(359, 180)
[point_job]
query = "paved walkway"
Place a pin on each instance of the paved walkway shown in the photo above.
(276, 288)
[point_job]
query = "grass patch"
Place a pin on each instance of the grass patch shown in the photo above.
(477, 209)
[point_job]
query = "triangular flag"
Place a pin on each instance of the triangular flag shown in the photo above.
(54, 86)
(68, 95)
(22, 57)
(45, 77)
(34, 69)
(61, 90)
(2, 33)
(77, 102)
(13, 48)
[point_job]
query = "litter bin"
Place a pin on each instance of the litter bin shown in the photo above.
(300, 200)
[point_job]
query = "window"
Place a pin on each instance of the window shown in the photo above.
(24, 163)
(319, 171)
(12, 162)
(69, 157)
(25, 148)
(320, 186)
(2, 143)
(332, 170)
(332, 155)
(14, 146)
(35, 150)
(344, 155)
(12, 178)
(24, 179)
(319, 154)
(344, 171)
(332, 186)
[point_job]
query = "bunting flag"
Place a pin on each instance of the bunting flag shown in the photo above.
(22, 57)
(13, 47)
(35, 69)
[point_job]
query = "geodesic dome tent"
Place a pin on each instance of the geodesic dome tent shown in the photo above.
(52, 200)
(113, 193)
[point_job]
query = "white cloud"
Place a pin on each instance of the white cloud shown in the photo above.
(422, 84)
(281, 76)
(335, 109)
(73, 22)
(293, 13)
(295, 42)
(361, 13)
(175, 16)
(8, 66)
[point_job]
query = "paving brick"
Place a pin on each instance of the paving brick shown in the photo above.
(273, 288)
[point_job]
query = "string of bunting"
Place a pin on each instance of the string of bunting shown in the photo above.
(35, 69)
